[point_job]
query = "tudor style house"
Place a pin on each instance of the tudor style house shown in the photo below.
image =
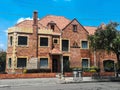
(53, 42)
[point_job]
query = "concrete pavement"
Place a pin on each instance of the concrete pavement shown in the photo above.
(47, 81)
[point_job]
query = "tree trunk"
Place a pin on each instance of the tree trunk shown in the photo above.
(118, 64)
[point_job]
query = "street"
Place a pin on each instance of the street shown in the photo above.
(52, 84)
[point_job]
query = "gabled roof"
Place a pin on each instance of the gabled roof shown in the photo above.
(79, 24)
(60, 21)
(91, 30)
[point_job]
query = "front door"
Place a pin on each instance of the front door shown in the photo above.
(55, 65)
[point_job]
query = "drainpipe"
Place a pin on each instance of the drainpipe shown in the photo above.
(61, 56)
(95, 58)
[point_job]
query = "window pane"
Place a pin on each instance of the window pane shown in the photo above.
(43, 41)
(11, 39)
(84, 63)
(66, 63)
(74, 28)
(9, 62)
(84, 44)
(22, 40)
(52, 27)
(21, 62)
(55, 41)
(43, 62)
(65, 45)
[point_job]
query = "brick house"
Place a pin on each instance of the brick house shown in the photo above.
(53, 42)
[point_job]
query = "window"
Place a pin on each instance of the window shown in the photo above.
(84, 44)
(11, 40)
(55, 41)
(85, 63)
(21, 62)
(43, 41)
(66, 63)
(9, 62)
(43, 62)
(108, 65)
(53, 27)
(22, 40)
(74, 28)
(65, 45)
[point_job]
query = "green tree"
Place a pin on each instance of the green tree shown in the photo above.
(107, 39)
(2, 61)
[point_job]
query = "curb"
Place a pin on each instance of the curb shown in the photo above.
(3, 86)
(92, 81)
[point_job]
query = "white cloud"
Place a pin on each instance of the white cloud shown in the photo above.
(6, 32)
(22, 19)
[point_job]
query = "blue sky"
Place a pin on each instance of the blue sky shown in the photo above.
(88, 12)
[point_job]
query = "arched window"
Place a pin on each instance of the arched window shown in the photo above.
(108, 65)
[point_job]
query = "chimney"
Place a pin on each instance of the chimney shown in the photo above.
(35, 35)
(35, 18)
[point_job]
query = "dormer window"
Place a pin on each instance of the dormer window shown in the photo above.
(74, 28)
(52, 27)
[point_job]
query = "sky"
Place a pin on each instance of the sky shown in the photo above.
(87, 12)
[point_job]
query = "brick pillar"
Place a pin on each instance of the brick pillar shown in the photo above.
(35, 35)
(14, 59)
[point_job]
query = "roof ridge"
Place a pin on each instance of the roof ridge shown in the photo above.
(53, 16)
(22, 22)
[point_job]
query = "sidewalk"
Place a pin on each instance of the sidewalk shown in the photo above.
(50, 81)
(86, 80)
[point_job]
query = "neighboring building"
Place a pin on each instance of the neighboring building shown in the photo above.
(54, 43)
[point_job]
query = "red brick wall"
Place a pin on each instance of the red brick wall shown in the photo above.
(75, 53)
(13, 76)
(48, 75)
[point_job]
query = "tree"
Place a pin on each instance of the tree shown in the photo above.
(107, 39)
(2, 61)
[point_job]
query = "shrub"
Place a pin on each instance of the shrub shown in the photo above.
(93, 70)
(25, 71)
(97, 69)
(38, 71)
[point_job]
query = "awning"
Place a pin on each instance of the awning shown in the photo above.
(55, 51)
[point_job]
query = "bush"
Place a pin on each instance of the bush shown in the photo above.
(25, 71)
(38, 71)
(93, 70)
(86, 69)
(97, 69)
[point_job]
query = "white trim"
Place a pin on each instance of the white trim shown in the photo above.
(88, 62)
(27, 40)
(81, 44)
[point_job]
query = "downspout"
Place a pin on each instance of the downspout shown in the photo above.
(95, 58)
(61, 56)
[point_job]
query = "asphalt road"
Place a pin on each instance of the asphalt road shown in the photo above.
(57, 86)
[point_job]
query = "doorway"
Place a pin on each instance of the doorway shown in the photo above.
(55, 65)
